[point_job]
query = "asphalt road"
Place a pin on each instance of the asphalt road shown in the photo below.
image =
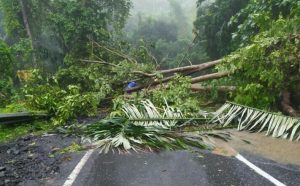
(179, 168)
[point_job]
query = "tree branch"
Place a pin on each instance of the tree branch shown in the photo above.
(200, 88)
(207, 77)
(98, 62)
(199, 67)
(116, 53)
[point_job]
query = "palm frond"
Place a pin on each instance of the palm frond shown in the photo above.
(257, 120)
(146, 114)
(123, 135)
(148, 127)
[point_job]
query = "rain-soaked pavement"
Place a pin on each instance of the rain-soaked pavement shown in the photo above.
(180, 168)
(31, 161)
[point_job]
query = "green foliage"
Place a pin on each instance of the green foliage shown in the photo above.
(88, 79)
(145, 128)
(270, 63)
(225, 25)
(10, 132)
(256, 95)
(123, 135)
(60, 27)
(178, 53)
(62, 103)
(14, 107)
(7, 73)
(211, 26)
(178, 94)
(12, 21)
(124, 72)
(6, 91)
(70, 149)
(257, 17)
(167, 37)
(23, 51)
(6, 61)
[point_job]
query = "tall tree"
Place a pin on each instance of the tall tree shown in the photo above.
(211, 26)
(58, 28)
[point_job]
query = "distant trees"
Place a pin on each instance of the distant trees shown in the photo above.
(222, 26)
(261, 42)
(53, 29)
(168, 37)
(152, 30)
(7, 73)
(212, 27)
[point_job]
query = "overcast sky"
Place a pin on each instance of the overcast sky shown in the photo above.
(158, 7)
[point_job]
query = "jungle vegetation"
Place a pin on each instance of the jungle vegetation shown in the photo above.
(76, 58)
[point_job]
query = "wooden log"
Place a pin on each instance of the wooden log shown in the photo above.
(185, 69)
(199, 67)
(200, 88)
(286, 104)
(207, 77)
(194, 80)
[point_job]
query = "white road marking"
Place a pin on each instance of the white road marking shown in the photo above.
(72, 177)
(259, 171)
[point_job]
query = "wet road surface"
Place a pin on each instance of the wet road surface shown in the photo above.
(177, 168)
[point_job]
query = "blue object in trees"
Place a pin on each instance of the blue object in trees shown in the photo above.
(131, 85)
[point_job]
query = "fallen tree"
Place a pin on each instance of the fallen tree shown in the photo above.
(286, 105)
(199, 67)
(200, 88)
(186, 69)
(150, 79)
(207, 77)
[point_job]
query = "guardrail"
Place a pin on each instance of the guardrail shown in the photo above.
(20, 117)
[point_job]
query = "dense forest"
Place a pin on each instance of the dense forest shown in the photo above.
(80, 58)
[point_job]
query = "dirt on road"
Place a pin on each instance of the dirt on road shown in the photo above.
(276, 149)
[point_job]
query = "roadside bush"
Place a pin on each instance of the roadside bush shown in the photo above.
(177, 94)
(269, 64)
(7, 73)
(61, 103)
(6, 91)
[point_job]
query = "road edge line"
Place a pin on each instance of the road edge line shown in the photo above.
(72, 177)
(259, 171)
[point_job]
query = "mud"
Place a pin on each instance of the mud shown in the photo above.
(279, 150)
(32, 160)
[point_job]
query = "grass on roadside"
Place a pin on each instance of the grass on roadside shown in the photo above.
(12, 131)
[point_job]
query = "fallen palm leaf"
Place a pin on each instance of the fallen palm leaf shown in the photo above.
(258, 120)
(147, 128)
(148, 115)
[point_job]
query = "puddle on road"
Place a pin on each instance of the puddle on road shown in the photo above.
(279, 150)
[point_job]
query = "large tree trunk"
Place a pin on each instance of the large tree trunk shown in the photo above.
(199, 67)
(186, 69)
(200, 88)
(207, 77)
(24, 8)
(25, 19)
(295, 95)
(194, 80)
(286, 104)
